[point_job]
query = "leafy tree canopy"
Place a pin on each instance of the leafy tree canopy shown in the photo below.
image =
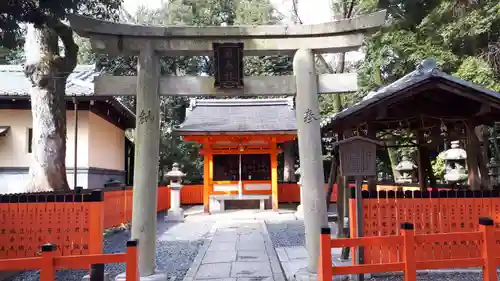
(43, 12)
(193, 13)
(462, 35)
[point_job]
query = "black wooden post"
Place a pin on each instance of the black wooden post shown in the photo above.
(97, 272)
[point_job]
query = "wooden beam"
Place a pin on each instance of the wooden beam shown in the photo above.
(469, 94)
(238, 139)
(204, 86)
(236, 151)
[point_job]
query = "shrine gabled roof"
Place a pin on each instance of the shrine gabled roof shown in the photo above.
(239, 116)
(79, 85)
(13, 82)
(425, 72)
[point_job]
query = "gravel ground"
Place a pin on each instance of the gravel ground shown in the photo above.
(176, 247)
(289, 233)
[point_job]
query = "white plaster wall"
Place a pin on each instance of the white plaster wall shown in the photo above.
(83, 139)
(100, 145)
(14, 146)
(16, 182)
(106, 143)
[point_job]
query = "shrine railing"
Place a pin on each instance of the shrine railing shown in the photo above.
(49, 261)
(430, 213)
(483, 241)
(71, 221)
(75, 222)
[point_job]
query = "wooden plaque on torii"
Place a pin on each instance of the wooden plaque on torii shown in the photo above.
(228, 65)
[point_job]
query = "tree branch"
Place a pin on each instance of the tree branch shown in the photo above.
(65, 33)
(351, 8)
(295, 11)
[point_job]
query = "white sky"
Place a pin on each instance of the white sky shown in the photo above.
(310, 12)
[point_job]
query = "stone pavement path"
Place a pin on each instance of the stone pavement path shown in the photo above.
(240, 250)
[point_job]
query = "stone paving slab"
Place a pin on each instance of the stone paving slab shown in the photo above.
(296, 252)
(219, 256)
(251, 269)
(222, 246)
(214, 270)
(239, 250)
(252, 256)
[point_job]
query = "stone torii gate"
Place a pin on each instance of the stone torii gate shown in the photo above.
(150, 42)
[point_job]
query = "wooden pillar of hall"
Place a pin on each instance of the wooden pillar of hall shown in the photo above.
(207, 177)
(372, 180)
(422, 177)
(274, 176)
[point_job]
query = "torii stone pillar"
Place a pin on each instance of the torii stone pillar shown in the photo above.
(310, 153)
(147, 143)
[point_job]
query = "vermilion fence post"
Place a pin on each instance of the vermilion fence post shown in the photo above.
(131, 270)
(96, 218)
(409, 251)
(488, 249)
(47, 269)
(325, 255)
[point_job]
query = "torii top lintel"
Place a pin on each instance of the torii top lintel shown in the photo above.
(336, 36)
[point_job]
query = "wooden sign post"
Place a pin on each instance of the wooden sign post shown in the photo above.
(358, 159)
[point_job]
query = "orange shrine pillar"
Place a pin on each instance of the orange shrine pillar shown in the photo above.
(207, 175)
(274, 176)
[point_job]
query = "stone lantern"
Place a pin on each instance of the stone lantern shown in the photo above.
(175, 213)
(455, 160)
(406, 168)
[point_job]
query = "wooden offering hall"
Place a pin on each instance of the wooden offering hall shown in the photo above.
(241, 140)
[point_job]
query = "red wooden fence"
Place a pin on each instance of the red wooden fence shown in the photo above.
(49, 261)
(483, 242)
(430, 213)
(118, 204)
(71, 221)
(74, 222)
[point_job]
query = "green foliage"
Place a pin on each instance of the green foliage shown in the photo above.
(194, 13)
(462, 36)
(456, 33)
(11, 56)
(477, 70)
(41, 12)
(438, 168)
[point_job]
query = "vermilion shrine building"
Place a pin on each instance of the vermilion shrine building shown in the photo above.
(241, 140)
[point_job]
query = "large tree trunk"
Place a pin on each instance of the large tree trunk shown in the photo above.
(48, 72)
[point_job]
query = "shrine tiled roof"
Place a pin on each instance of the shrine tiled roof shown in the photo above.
(257, 116)
(426, 71)
(80, 85)
(13, 82)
